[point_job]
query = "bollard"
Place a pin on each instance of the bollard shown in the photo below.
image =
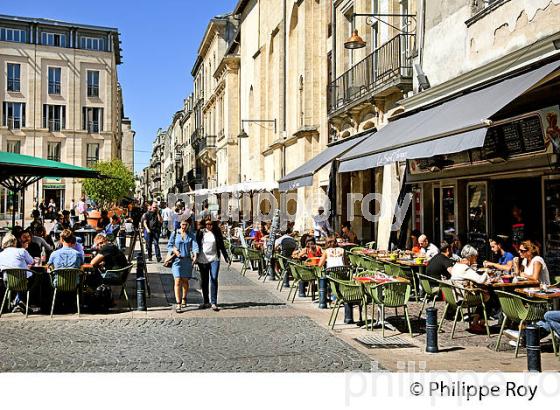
(348, 313)
(431, 330)
(140, 285)
(322, 292)
(533, 344)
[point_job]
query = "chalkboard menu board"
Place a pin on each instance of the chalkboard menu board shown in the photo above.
(517, 137)
(492, 144)
(532, 133)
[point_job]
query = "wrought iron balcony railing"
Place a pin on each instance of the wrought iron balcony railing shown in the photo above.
(391, 63)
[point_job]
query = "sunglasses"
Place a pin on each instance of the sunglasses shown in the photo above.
(522, 250)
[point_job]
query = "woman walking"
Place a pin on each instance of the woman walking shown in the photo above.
(211, 244)
(182, 244)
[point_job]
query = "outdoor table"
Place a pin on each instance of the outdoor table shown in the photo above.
(368, 252)
(550, 294)
(509, 286)
(41, 289)
(346, 244)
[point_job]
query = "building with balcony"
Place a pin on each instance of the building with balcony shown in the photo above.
(61, 99)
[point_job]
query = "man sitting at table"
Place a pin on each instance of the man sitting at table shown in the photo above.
(286, 244)
(66, 257)
(505, 259)
(439, 264)
(347, 234)
(427, 249)
(108, 257)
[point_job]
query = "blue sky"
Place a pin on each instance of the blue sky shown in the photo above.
(160, 39)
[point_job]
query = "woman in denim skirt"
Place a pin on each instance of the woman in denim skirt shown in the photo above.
(182, 244)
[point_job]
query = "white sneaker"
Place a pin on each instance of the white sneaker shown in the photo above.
(512, 343)
(512, 334)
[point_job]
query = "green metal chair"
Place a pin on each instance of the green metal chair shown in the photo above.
(252, 255)
(347, 292)
(16, 282)
(391, 295)
(284, 270)
(372, 264)
(118, 277)
(430, 291)
(339, 272)
(406, 273)
(390, 269)
(66, 281)
(301, 273)
(460, 298)
(520, 310)
(355, 261)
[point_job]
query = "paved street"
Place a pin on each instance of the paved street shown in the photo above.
(254, 332)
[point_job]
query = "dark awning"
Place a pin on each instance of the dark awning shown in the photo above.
(456, 125)
(303, 175)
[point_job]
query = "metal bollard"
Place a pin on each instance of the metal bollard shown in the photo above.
(431, 330)
(533, 343)
(140, 284)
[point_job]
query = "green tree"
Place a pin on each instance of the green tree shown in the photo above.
(106, 192)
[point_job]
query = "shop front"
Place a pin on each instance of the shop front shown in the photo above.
(508, 188)
(54, 188)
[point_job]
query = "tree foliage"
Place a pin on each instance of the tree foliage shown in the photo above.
(107, 192)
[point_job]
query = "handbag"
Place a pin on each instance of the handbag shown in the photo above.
(170, 258)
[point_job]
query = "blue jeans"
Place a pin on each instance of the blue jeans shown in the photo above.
(209, 271)
(551, 322)
(152, 237)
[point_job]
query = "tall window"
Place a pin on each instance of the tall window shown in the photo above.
(53, 151)
(13, 115)
(92, 154)
(14, 71)
(53, 39)
(93, 83)
(54, 80)
(93, 119)
(13, 34)
(54, 117)
(13, 146)
(349, 55)
(92, 43)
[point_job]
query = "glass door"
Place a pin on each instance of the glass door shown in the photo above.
(477, 221)
(448, 220)
(552, 226)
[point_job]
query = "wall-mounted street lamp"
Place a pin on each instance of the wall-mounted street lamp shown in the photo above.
(243, 134)
(355, 41)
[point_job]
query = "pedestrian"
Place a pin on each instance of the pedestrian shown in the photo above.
(167, 216)
(210, 242)
(52, 209)
(183, 246)
(151, 222)
(82, 209)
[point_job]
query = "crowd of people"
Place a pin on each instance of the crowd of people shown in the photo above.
(35, 247)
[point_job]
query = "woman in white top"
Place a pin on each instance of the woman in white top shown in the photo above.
(333, 255)
(533, 266)
(211, 244)
(14, 258)
(462, 272)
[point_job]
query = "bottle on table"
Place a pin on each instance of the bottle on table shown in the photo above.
(43, 255)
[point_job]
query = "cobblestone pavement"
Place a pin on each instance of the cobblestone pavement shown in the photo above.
(254, 332)
(255, 344)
